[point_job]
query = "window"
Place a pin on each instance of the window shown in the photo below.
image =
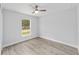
(25, 27)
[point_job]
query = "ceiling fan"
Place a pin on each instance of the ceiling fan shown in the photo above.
(36, 10)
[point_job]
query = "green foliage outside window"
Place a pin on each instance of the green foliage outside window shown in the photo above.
(25, 27)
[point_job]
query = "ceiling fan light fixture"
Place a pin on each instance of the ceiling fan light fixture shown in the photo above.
(36, 11)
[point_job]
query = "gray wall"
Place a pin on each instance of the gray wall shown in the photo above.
(1, 29)
(78, 24)
(60, 26)
(12, 27)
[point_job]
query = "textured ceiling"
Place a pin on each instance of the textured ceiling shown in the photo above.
(27, 8)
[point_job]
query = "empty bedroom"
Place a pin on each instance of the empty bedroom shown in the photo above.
(39, 28)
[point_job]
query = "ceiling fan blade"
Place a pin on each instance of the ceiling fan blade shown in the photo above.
(42, 10)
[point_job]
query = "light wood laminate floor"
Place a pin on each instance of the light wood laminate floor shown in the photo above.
(39, 46)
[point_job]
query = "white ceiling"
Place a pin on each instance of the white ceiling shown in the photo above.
(27, 8)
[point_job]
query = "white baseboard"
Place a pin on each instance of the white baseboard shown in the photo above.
(58, 41)
(16, 42)
(41, 37)
(12, 43)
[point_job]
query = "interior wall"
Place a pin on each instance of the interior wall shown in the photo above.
(12, 27)
(78, 24)
(1, 29)
(60, 26)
